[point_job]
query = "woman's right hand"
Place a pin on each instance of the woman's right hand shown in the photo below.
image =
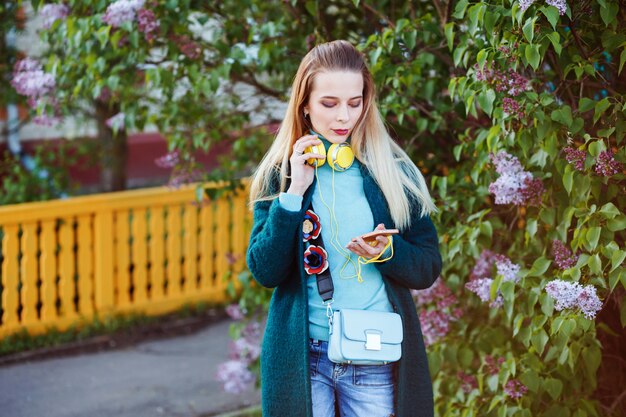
(302, 173)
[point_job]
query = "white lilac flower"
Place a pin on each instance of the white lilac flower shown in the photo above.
(559, 4)
(234, 312)
(574, 295)
(30, 80)
(53, 12)
(122, 11)
(235, 376)
(525, 4)
(484, 265)
(514, 185)
(564, 293)
(588, 302)
(507, 269)
(116, 122)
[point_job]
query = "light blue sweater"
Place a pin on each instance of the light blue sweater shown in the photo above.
(354, 218)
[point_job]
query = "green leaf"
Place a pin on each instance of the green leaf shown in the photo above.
(622, 59)
(568, 178)
(609, 13)
(459, 10)
(311, 7)
(532, 55)
(531, 379)
(486, 99)
(539, 340)
(540, 266)
(586, 104)
(600, 108)
(617, 258)
(552, 14)
(529, 29)
(449, 31)
(593, 235)
(609, 211)
(617, 224)
(555, 39)
(595, 264)
(562, 115)
(553, 386)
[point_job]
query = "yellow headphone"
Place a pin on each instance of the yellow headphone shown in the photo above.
(339, 155)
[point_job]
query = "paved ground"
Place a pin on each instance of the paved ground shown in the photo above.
(171, 377)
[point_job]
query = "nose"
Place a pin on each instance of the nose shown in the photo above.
(343, 115)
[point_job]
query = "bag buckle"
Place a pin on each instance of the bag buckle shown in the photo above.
(372, 340)
(329, 312)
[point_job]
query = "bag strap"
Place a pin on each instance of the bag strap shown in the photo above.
(325, 286)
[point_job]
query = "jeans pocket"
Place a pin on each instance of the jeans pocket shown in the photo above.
(373, 375)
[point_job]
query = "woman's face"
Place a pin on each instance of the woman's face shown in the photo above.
(335, 104)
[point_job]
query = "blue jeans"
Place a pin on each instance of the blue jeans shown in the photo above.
(360, 390)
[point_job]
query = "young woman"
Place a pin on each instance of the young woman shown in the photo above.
(333, 102)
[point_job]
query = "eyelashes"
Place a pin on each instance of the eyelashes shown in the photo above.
(329, 105)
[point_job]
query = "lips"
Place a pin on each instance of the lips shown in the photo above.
(341, 132)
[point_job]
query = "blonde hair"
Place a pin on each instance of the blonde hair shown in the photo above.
(401, 182)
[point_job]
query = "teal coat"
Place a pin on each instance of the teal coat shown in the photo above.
(275, 258)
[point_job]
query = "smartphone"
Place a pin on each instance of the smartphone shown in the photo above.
(371, 236)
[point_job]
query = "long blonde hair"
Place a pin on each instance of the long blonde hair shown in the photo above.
(401, 182)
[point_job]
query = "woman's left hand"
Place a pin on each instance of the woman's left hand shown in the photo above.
(362, 248)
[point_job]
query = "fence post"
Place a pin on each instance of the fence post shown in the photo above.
(104, 233)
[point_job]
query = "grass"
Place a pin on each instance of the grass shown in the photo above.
(23, 341)
(246, 412)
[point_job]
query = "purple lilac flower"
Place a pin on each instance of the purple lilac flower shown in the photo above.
(147, 24)
(512, 107)
(439, 294)
(514, 185)
(507, 269)
(492, 366)
(116, 122)
(515, 389)
(122, 11)
(235, 376)
(45, 120)
(188, 47)
(572, 295)
(435, 325)
(252, 331)
(169, 160)
(482, 288)
(183, 176)
(562, 255)
(30, 80)
(468, 382)
(559, 4)
(234, 312)
(575, 157)
(53, 12)
(509, 82)
(484, 265)
(532, 191)
(606, 165)
(245, 350)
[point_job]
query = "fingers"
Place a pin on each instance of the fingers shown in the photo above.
(364, 249)
(304, 142)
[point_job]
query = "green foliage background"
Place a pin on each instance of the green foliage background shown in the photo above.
(425, 57)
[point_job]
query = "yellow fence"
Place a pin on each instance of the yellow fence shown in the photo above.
(150, 251)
